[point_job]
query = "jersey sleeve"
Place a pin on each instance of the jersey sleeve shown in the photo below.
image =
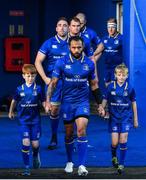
(92, 71)
(45, 47)
(57, 72)
(132, 95)
(16, 95)
(95, 39)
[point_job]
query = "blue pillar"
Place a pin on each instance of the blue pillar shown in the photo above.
(135, 50)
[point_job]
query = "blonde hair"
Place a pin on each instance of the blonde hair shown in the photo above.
(29, 68)
(122, 68)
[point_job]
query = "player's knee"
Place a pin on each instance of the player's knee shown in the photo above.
(81, 132)
(68, 138)
(123, 139)
(55, 110)
(35, 144)
(26, 142)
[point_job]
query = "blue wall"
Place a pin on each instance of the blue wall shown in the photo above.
(135, 51)
(39, 24)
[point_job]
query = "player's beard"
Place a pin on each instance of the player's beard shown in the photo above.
(76, 55)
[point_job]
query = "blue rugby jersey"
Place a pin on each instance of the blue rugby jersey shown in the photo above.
(75, 74)
(28, 101)
(120, 100)
(54, 49)
(113, 52)
(92, 36)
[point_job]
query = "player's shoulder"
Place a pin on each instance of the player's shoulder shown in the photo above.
(88, 61)
(90, 30)
(111, 85)
(20, 87)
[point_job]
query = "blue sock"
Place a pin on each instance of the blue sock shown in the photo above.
(123, 150)
(69, 144)
(54, 123)
(35, 152)
(82, 149)
(114, 151)
(25, 155)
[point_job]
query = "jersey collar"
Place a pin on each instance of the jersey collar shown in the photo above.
(125, 84)
(72, 58)
(59, 39)
(114, 36)
(34, 86)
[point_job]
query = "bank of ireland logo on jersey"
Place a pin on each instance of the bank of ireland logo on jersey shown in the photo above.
(85, 67)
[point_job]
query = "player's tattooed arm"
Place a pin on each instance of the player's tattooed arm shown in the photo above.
(51, 88)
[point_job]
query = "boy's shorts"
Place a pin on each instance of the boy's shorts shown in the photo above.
(32, 132)
(119, 127)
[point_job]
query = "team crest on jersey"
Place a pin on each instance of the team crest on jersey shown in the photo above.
(67, 66)
(34, 93)
(116, 41)
(125, 93)
(22, 94)
(105, 41)
(115, 128)
(113, 93)
(54, 46)
(85, 67)
(25, 134)
(64, 115)
(127, 128)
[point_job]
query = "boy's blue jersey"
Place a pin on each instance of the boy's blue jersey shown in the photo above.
(75, 74)
(113, 53)
(54, 49)
(92, 36)
(120, 100)
(28, 103)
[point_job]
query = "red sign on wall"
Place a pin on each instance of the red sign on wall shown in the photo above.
(17, 53)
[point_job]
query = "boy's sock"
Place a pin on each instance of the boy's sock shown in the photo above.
(25, 155)
(123, 150)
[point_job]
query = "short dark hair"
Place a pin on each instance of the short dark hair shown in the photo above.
(62, 19)
(75, 38)
(74, 19)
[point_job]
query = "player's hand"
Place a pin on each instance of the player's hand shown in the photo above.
(47, 80)
(135, 124)
(47, 107)
(101, 111)
(92, 58)
(11, 115)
